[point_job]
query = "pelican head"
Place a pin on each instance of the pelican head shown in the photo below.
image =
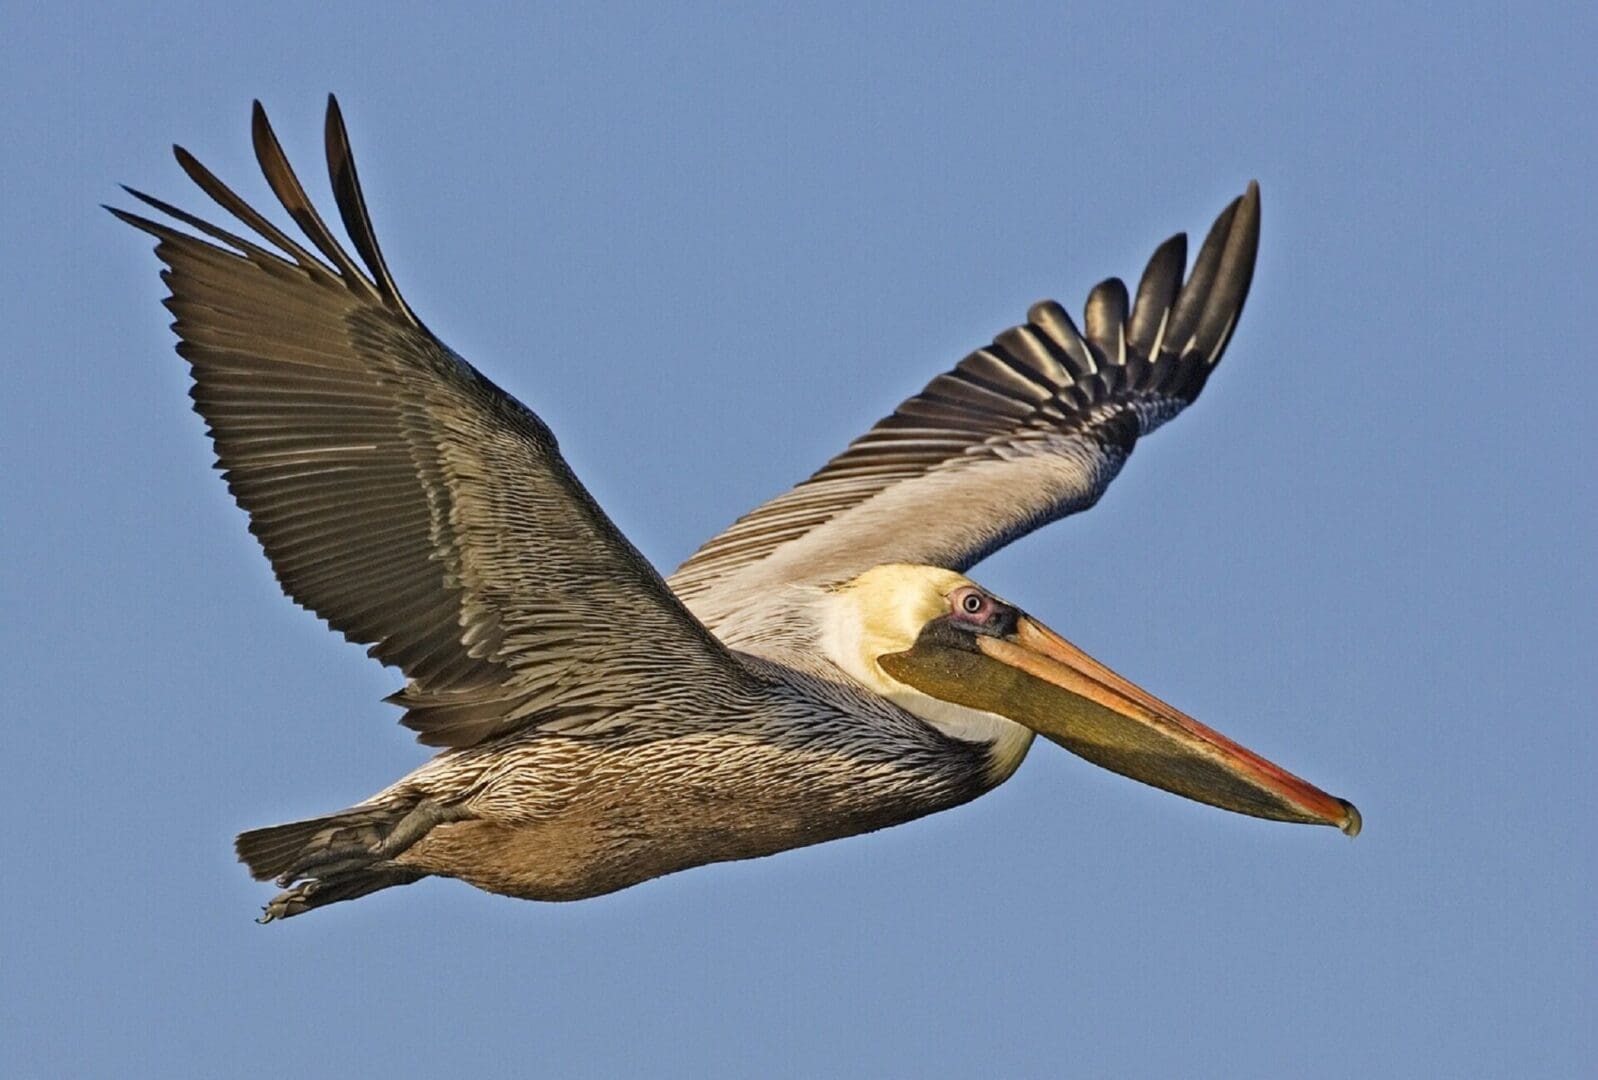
(978, 668)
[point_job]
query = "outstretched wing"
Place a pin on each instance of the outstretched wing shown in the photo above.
(398, 493)
(1023, 432)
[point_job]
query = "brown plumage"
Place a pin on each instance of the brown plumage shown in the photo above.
(601, 727)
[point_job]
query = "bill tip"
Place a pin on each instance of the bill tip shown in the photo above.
(1351, 823)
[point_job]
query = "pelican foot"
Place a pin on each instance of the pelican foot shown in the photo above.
(330, 890)
(339, 859)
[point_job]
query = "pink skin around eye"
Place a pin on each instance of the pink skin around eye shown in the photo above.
(960, 600)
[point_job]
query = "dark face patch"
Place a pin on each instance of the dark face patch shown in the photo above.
(972, 614)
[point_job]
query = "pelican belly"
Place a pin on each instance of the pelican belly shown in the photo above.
(608, 816)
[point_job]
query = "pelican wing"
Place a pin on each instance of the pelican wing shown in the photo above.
(1020, 433)
(398, 493)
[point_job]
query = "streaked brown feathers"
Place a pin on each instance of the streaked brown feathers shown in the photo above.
(398, 493)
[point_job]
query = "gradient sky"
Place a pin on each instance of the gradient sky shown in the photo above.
(708, 250)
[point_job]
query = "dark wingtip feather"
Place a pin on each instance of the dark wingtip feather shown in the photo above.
(225, 197)
(1234, 274)
(233, 241)
(1213, 296)
(143, 224)
(1156, 292)
(352, 210)
(1104, 319)
(285, 184)
(1049, 317)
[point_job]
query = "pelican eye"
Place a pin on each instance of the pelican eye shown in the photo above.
(973, 605)
(974, 610)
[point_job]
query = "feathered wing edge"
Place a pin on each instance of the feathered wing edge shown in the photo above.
(399, 494)
(1041, 387)
(210, 296)
(375, 282)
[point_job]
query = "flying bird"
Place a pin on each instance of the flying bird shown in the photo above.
(821, 668)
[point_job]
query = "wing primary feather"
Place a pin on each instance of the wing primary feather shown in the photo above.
(1049, 317)
(201, 225)
(144, 224)
(1104, 317)
(224, 197)
(1029, 346)
(1189, 305)
(1156, 292)
(352, 208)
(997, 369)
(290, 192)
(1233, 274)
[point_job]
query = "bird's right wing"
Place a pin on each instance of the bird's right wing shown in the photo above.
(1020, 433)
(398, 493)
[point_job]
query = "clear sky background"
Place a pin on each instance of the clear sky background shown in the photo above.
(709, 249)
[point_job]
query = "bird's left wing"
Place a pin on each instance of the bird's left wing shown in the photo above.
(1020, 433)
(402, 496)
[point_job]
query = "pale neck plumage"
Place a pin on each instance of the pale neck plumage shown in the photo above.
(857, 625)
(827, 641)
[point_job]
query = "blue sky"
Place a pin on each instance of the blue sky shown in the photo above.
(709, 249)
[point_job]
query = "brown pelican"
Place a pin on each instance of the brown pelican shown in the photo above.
(822, 668)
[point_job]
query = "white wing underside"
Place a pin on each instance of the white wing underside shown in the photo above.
(974, 504)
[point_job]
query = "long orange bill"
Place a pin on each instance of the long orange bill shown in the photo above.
(1037, 678)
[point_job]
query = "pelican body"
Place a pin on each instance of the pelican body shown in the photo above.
(821, 668)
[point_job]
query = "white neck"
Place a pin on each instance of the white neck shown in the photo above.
(846, 640)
